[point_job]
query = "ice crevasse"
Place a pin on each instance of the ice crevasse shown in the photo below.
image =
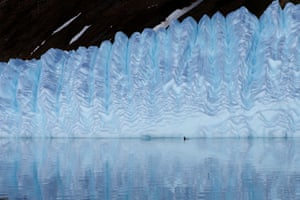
(233, 76)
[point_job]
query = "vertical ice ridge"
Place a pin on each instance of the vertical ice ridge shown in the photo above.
(223, 76)
(26, 95)
(148, 73)
(102, 78)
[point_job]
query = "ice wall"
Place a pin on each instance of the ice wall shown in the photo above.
(234, 76)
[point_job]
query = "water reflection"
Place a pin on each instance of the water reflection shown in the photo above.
(155, 169)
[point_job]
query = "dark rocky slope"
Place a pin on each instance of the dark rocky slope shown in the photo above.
(27, 26)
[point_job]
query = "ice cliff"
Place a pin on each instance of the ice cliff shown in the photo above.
(234, 76)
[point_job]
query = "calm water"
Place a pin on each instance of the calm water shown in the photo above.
(154, 169)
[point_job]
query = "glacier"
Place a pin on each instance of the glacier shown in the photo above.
(233, 76)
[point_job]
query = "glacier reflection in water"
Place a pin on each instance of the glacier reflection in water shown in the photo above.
(154, 169)
(237, 76)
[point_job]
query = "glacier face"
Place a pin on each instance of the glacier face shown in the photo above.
(234, 76)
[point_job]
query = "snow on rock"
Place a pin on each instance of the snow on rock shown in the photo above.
(65, 24)
(77, 36)
(176, 14)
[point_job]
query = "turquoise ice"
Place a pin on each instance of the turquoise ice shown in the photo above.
(234, 76)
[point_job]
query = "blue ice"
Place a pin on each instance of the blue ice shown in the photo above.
(234, 76)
